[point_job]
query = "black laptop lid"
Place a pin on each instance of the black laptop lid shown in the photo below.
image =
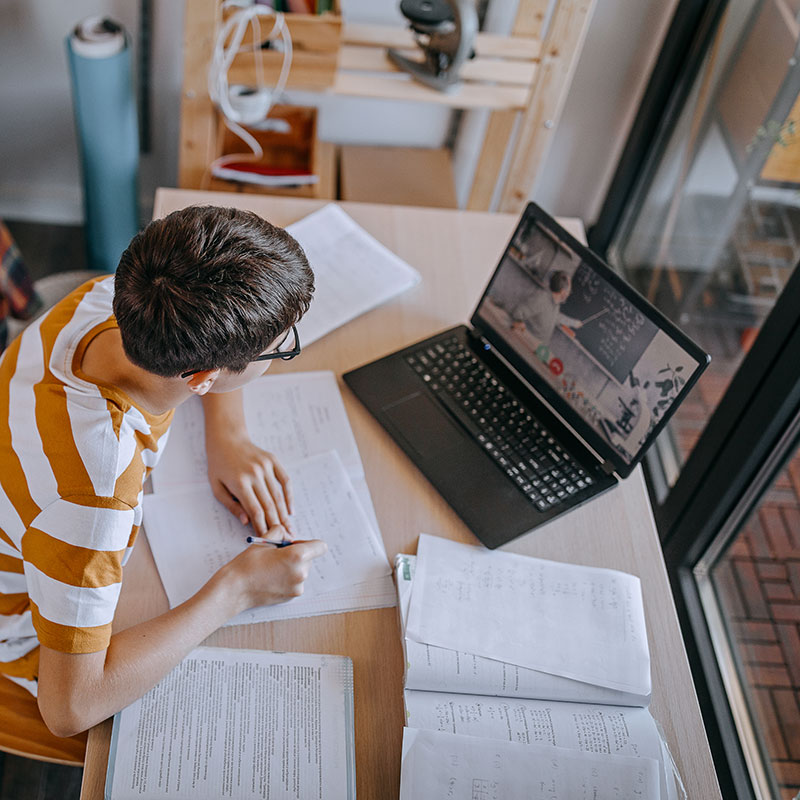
(605, 359)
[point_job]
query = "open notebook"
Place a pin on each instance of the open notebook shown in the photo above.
(239, 723)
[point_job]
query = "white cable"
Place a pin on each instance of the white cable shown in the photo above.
(253, 104)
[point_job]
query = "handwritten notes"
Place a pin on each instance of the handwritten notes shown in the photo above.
(438, 669)
(444, 766)
(468, 598)
(192, 536)
(293, 416)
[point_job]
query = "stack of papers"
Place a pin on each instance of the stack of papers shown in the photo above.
(300, 418)
(507, 654)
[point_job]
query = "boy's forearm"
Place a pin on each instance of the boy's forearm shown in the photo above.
(78, 691)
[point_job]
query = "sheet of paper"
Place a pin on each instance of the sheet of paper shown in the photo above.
(239, 723)
(439, 669)
(583, 623)
(353, 271)
(192, 535)
(445, 766)
(612, 730)
(377, 593)
(294, 416)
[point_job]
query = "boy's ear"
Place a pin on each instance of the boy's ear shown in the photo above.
(201, 382)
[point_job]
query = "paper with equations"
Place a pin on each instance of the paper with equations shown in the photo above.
(243, 724)
(583, 623)
(444, 766)
(353, 271)
(438, 669)
(192, 535)
(458, 692)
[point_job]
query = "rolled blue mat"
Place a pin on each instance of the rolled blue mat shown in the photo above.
(99, 56)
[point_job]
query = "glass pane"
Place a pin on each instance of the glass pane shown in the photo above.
(716, 234)
(752, 598)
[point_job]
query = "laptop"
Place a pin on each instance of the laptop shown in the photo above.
(553, 393)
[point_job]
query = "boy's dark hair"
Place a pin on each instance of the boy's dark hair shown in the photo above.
(207, 288)
(559, 281)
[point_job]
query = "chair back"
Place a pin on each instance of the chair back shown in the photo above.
(23, 732)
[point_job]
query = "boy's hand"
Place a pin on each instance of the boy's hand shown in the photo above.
(264, 575)
(249, 482)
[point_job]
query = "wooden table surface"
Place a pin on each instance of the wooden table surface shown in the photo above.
(455, 252)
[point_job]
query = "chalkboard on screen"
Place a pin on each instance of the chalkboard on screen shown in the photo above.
(615, 332)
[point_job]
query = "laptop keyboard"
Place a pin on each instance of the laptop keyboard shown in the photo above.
(521, 446)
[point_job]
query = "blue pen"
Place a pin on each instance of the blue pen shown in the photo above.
(260, 540)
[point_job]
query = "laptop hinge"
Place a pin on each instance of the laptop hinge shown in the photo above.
(608, 467)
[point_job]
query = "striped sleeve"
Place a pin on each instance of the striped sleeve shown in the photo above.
(73, 553)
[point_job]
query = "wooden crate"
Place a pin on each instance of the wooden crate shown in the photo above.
(299, 149)
(316, 44)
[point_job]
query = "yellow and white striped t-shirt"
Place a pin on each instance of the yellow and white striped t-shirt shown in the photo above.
(73, 458)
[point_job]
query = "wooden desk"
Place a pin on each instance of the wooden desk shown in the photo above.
(455, 252)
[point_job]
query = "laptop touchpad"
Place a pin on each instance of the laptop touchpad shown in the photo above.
(423, 424)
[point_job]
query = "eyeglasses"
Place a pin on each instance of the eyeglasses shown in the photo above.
(288, 348)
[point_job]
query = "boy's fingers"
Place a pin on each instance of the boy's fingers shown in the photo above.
(310, 548)
(230, 502)
(276, 497)
(253, 508)
(283, 478)
(277, 533)
(267, 503)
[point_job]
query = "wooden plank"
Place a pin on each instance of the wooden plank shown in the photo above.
(496, 70)
(486, 44)
(309, 71)
(198, 119)
(565, 37)
(495, 143)
(402, 87)
(530, 19)
(309, 32)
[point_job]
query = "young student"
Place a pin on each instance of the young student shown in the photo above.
(202, 303)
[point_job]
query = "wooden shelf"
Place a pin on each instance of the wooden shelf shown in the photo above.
(522, 78)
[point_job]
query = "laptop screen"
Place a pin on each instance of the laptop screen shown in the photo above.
(608, 362)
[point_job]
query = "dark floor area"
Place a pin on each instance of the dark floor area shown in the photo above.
(47, 248)
(24, 779)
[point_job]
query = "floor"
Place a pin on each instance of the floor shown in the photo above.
(758, 579)
(46, 249)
